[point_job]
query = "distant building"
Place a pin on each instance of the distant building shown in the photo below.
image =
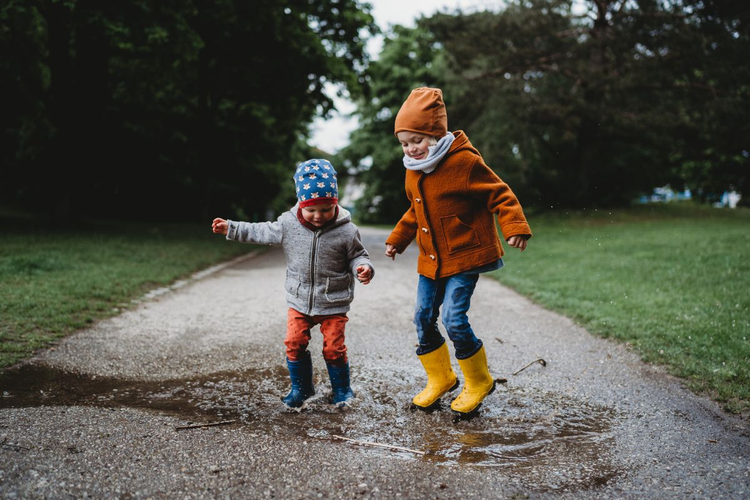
(729, 200)
(665, 194)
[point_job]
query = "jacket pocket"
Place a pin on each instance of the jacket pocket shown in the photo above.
(339, 289)
(458, 236)
(292, 284)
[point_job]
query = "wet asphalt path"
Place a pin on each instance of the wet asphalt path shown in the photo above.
(97, 415)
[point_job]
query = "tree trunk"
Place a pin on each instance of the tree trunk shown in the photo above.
(78, 94)
(57, 158)
(587, 153)
(204, 128)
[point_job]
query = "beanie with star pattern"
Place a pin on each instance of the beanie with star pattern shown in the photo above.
(316, 183)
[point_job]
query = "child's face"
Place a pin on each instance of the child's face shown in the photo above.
(318, 215)
(414, 145)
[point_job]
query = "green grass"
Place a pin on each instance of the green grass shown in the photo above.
(55, 282)
(672, 281)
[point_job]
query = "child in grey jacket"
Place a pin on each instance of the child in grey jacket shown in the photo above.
(323, 252)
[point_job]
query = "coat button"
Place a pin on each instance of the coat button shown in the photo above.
(432, 257)
(418, 200)
(424, 230)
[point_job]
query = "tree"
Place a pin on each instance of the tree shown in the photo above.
(591, 108)
(409, 59)
(179, 107)
(712, 150)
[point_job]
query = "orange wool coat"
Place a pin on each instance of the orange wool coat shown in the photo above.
(451, 213)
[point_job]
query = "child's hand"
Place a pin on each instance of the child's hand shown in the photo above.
(364, 274)
(518, 241)
(390, 251)
(220, 226)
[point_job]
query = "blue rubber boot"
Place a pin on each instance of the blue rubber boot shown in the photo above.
(302, 382)
(342, 391)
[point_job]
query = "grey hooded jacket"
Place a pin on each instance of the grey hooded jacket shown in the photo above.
(320, 265)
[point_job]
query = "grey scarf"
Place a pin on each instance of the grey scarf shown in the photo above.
(434, 157)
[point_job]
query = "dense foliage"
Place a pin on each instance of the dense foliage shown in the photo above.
(166, 109)
(409, 59)
(576, 103)
(185, 108)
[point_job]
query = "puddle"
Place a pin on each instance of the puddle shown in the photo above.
(526, 430)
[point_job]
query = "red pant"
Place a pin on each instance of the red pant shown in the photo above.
(332, 327)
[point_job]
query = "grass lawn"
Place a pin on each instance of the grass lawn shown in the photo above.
(673, 281)
(55, 282)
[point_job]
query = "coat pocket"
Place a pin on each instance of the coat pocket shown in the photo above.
(458, 235)
(292, 284)
(339, 289)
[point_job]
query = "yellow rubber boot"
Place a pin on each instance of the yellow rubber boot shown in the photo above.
(478, 383)
(440, 377)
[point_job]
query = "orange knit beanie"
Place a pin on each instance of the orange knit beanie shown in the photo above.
(423, 112)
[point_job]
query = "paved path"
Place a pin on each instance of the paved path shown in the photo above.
(98, 414)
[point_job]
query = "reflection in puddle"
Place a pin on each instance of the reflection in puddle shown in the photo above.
(518, 428)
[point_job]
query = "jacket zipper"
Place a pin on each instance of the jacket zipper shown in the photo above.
(312, 273)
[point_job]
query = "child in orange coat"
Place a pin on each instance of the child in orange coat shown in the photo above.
(453, 197)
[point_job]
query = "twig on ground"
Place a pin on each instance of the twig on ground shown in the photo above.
(10, 446)
(210, 424)
(388, 446)
(540, 361)
(578, 379)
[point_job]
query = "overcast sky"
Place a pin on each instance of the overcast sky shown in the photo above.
(333, 134)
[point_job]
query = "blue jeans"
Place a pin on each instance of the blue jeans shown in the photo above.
(454, 294)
